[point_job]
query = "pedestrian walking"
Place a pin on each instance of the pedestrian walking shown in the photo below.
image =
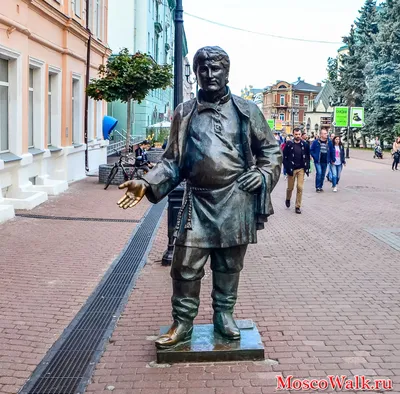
(329, 176)
(282, 149)
(296, 160)
(306, 138)
(339, 161)
(396, 154)
(321, 154)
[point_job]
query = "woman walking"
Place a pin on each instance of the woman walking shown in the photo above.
(396, 153)
(337, 152)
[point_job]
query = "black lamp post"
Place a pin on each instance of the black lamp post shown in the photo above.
(175, 198)
(187, 75)
(294, 111)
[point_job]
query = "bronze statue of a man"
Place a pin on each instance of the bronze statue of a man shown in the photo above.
(224, 149)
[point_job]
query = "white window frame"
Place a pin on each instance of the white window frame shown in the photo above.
(282, 117)
(15, 115)
(306, 100)
(49, 106)
(91, 131)
(98, 19)
(282, 99)
(296, 117)
(76, 109)
(7, 85)
(77, 8)
(39, 102)
(99, 119)
(56, 105)
(296, 100)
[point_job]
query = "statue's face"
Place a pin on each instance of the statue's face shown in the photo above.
(212, 76)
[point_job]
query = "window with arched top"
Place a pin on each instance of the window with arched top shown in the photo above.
(282, 87)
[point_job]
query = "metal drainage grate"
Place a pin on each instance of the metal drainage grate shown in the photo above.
(68, 365)
(27, 215)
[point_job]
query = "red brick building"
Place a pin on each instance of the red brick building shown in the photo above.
(287, 103)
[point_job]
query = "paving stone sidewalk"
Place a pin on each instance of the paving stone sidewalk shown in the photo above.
(324, 292)
(50, 267)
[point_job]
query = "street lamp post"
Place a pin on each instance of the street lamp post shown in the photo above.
(348, 143)
(187, 75)
(175, 198)
(294, 111)
(178, 56)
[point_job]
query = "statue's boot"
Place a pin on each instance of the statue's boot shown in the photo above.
(224, 296)
(185, 304)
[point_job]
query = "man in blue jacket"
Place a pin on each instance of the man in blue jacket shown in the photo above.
(321, 151)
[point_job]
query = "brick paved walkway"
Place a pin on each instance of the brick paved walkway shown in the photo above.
(49, 268)
(323, 291)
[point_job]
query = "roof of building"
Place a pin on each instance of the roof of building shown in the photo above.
(301, 85)
(324, 95)
(256, 91)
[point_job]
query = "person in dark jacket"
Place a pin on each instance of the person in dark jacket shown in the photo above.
(321, 150)
(141, 159)
(296, 160)
(337, 152)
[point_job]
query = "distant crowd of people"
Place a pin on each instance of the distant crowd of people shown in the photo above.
(301, 151)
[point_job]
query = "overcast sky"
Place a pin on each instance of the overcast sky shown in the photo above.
(259, 60)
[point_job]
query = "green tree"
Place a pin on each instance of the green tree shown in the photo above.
(365, 37)
(349, 79)
(383, 74)
(129, 78)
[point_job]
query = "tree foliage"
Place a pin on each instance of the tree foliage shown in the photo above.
(369, 74)
(129, 77)
(383, 74)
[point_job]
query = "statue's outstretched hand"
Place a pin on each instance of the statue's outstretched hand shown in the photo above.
(133, 195)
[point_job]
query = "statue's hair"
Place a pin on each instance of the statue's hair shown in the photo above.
(211, 53)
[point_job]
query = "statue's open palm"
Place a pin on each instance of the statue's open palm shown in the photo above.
(133, 195)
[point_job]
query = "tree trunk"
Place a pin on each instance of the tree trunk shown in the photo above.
(352, 138)
(128, 123)
(364, 140)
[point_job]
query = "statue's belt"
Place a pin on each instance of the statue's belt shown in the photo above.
(188, 201)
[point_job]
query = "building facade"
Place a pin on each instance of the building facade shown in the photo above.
(253, 94)
(147, 27)
(43, 57)
(319, 113)
(287, 103)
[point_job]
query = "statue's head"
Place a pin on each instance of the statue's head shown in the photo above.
(211, 66)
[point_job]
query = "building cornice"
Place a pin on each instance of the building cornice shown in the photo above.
(69, 24)
(101, 49)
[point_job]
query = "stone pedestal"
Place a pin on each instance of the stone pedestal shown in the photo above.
(207, 346)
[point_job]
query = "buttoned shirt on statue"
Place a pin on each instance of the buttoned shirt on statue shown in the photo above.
(210, 146)
(220, 214)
